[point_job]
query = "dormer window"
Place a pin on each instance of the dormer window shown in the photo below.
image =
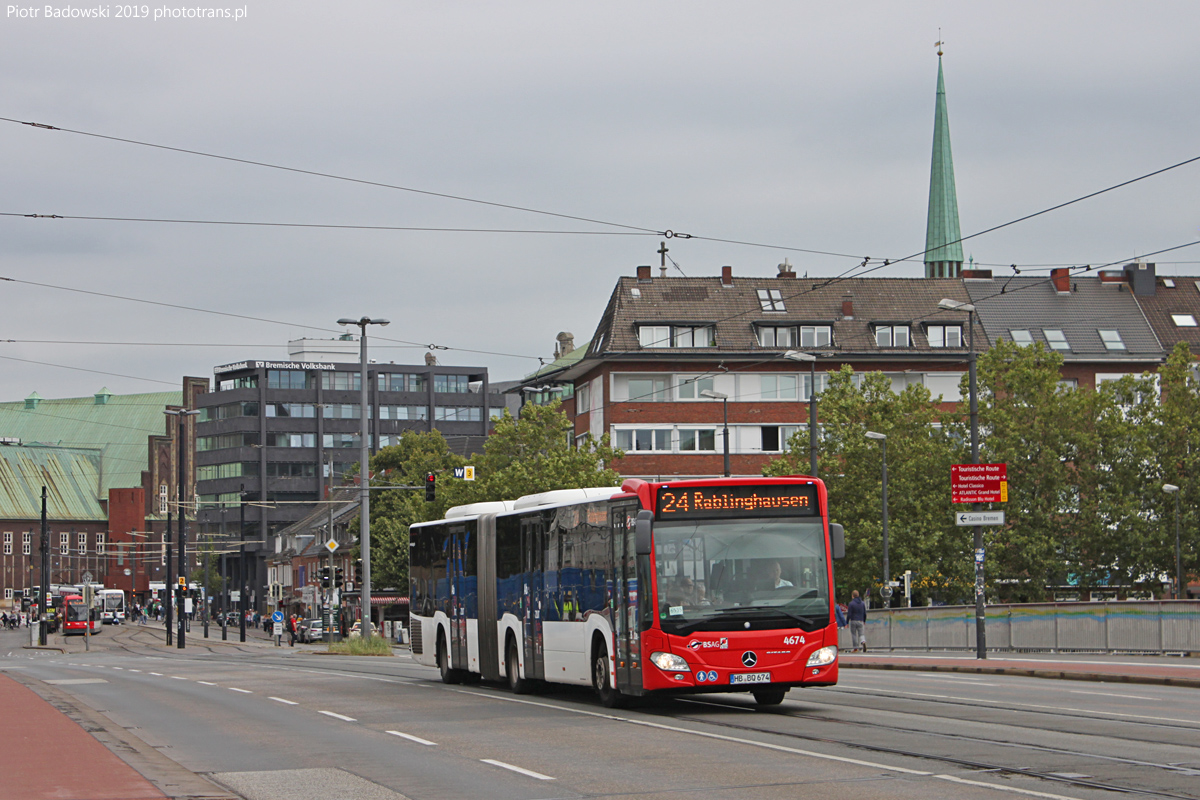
(1112, 340)
(776, 336)
(1056, 339)
(677, 336)
(944, 335)
(771, 300)
(891, 335)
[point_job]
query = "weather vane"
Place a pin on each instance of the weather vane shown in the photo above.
(938, 43)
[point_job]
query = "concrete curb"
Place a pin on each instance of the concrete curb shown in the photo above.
(1062, 675)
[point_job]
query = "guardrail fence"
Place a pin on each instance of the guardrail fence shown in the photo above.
(1131, 626)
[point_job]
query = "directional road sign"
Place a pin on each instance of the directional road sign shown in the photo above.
(962, 518)
(277, 617)
(979, 483)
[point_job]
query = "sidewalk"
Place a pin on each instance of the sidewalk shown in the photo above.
(1161, 670)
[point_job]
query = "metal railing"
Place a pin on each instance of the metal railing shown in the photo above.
(1131, 626)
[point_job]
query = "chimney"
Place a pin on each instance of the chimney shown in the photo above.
(848, 306)
(643, 273)
(785, 270)
(727, 276)
(976, 275)
(566, 344)
(1141, 278)
(1061, 278)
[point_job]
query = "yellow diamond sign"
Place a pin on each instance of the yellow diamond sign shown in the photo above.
(331, 545)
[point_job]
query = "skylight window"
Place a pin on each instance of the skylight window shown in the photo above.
(1184, 320)
(1021, 337)
(1056, 339)
(1167, 282)
(771, 300)
(1112, 340)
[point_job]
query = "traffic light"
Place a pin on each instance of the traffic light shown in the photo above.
(430, 486)
(324, 577)
(358, 572)
(339, 577)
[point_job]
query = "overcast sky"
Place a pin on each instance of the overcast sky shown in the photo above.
(791, 124)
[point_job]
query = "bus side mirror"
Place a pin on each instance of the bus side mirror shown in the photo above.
(837, 540)
(641, 532)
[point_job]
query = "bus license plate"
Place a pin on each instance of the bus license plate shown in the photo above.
(751, 677)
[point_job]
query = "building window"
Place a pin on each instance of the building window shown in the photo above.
(291, 469)
(776, 437)
(697, 440)
(891, 335)
(228, 411)
(26, 543)
(583, 399)
(771, 300)
(644, 440)
(403, 413)
(292, 439)
(64, 544)
(243, 382)
(1112, 340)
(1184, 320)
(452, 384)
(8, 593)
(815, 335)
(340, 440)
(289, 379)
(225, 441)
(944, 335)
(1069, 384)
(647, 390)
(292, 410)
(778, 387)
(100, 544)
(82, 543)
(341, 381)
(457, 413)
(224, 500)
(233, 469)
(1021, 337)
(8, 543)
(692, 387)
(776, 336)
(1056, 339)
(341, 411)
(806, 384)
(400, 382)
(677, 336)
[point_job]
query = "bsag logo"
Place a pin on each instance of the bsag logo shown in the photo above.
(696, 644)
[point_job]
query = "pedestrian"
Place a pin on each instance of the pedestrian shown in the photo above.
(839, 614)
(292, 631)
(857, 613)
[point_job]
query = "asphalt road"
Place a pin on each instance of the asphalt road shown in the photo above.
(290, 724)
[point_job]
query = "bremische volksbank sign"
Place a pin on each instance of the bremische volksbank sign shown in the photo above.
(273, 365)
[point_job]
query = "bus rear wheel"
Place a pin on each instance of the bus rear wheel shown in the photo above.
(610, 696)
(769, 697)
(512, 669)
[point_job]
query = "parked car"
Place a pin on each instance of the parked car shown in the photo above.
(312, 630)
(356, 629)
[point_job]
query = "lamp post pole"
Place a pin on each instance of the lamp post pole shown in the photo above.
(242, 563)
(886, 591)
(1171, 488)
(724, 398)
(364, 471)
(181, 478)
(811, 358)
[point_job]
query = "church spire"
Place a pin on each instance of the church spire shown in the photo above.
(943, 251)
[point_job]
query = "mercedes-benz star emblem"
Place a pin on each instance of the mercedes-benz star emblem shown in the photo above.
(749, 659)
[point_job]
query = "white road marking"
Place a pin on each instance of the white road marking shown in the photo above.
(338, 716)
(206, 683)
(178, 678)
(703, 734)
(159, 674)
(412, 738)
(131, 669)
(1001, 788)
(75, 681)
(528, 772)
(243, 691)
(119, 668)
(1109, 694)
(288, 702)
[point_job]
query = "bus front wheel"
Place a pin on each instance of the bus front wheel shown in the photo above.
(610, 696)
(769, 697)
(512, 669)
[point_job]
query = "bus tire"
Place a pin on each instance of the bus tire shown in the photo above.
(610, 696)
(512, 670)
(769, 697)
(449, 674)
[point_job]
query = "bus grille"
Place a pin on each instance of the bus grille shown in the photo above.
(415, 631)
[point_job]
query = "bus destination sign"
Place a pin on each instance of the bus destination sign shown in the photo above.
(716, 502)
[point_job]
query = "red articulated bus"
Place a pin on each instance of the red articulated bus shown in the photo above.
(77, 616)
(720, 585)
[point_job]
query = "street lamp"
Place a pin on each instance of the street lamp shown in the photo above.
(242, 562)
(181, 454)
(811, 358)
(364, 470)
(980, 612)
(724, 398)
(1171, 488)
(886, 591)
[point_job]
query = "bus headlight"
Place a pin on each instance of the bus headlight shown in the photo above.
(669, 662)
(826, 655)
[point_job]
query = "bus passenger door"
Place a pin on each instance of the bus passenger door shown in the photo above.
(459, 541)
(533, 542)
(625, 600)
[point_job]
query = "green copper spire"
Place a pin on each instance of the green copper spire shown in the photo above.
(943, 251)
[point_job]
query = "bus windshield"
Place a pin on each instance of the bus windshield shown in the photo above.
(770, 573)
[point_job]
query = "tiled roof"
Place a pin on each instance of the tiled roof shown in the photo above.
(1033, 304)
(736, 311)
(559, 364)
(70, 475)
(118, 429)
(1184, 298)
